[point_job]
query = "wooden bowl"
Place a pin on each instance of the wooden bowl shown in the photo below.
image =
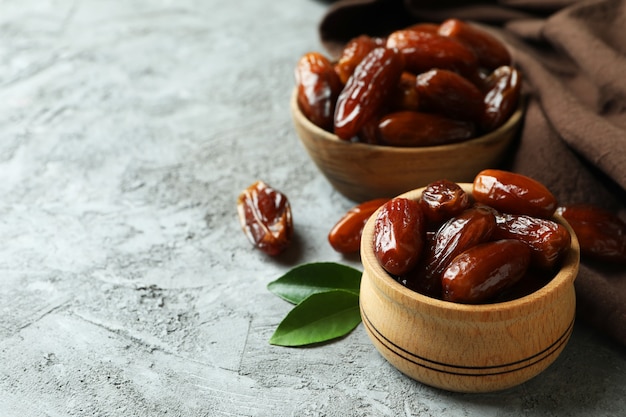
(467, 348)
(363, 172)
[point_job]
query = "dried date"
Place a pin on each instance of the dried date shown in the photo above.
(318, 87)
(441, 200)
(423, 51)
(533, 280)
(399, 235)
(369, 132)
(491, 53)
(472, 227)
(412, 129)
(601, 234)
(353, 53)
(502, 94)
(345, 236)
(481, 272)
(367, 91)
(425, 27)
(448, 93)
(405, 96)
(513, 193)
(547, 240)
(265, 217)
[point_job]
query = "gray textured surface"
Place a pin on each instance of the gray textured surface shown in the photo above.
(127, 130)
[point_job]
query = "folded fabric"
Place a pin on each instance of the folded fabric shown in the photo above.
(573, 58)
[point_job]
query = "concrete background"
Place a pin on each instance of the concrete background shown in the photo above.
(127, 130)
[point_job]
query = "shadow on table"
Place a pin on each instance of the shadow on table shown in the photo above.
(296, 253)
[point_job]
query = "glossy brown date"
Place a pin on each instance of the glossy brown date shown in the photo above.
(490, 51)
(601, 234)
(318, 87)
(405, 96)
(441, 200)
(345, 236)
(353, 53)
(399, 235)
(424, 27)
(369, 132)
(448, 93)
(470, 228)
(547, 240)
(265, 217)
(410, 128)
(423, 51)
(502, 94)
(482, 271)
(533, 280)
(367, 90)
(513, 193)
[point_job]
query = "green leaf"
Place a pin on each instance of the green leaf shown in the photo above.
(318, 318)
(305, 280)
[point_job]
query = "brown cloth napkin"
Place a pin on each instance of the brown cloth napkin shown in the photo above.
(573, 58)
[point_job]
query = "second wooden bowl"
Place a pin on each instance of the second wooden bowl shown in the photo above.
(467, 348)
(363, 172)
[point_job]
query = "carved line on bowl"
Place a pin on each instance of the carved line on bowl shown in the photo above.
(458, 369)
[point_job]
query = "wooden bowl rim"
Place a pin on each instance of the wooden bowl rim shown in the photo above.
(409, 298)
(492, 136)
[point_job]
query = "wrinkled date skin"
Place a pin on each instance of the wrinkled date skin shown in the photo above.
(410, 128)
(601, 234)
(423, 51)
(367, 91)
(503, 89)
(355, 50)
(547, 240)
(473, 226)
(513, 193)
(345, 236)
(399, 235)
(318, 87)
(479, 273)
(490, 51)
(265, 217)
(450, 94)
(441, 200)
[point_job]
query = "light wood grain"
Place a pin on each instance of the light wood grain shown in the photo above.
(363, 172)
(467, 348)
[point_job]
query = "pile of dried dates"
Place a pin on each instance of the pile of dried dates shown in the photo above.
(495, 244)
(449, 246)
(428, 84)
